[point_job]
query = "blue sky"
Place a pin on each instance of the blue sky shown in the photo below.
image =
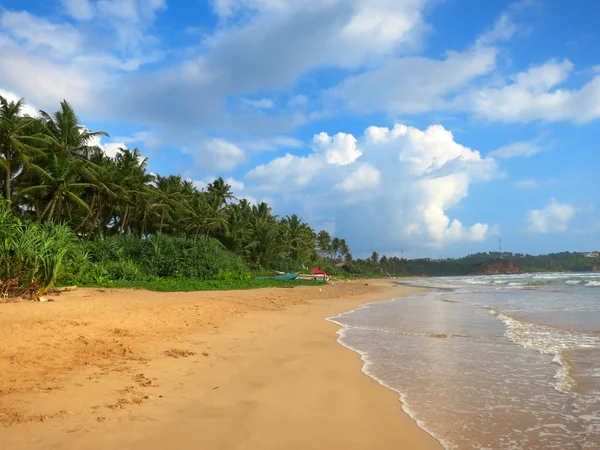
(433, 126)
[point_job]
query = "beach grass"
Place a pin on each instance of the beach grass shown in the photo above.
(191, 285)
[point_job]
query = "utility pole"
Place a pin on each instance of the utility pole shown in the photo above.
(500, 242)
(402, 253)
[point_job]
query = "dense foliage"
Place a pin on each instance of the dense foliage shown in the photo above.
(554, 262)
(133, 225)
(127, 258)
(71, 211)
(32, 256)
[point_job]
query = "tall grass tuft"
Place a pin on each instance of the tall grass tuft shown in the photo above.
(32, 256)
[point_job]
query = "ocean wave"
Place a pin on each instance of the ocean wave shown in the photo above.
(583, 282)
(404, 333)
(550, 341)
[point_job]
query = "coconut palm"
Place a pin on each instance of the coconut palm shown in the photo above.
(61, 188)
(135, 182)
(67, 134)
(20, 141)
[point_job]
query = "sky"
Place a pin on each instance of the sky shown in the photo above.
(433, 127)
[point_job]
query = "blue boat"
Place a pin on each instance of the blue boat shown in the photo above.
(288, 276)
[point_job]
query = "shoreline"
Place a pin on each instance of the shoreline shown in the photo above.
(366, 362)
(258, 370)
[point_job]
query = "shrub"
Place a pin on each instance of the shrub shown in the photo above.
(32, 256)
(159, 256)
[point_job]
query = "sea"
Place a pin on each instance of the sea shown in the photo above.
(490, 362)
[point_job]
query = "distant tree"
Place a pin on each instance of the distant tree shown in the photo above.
(324, 242)
(375, 258)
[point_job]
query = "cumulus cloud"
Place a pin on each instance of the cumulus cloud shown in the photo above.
(553, 218)
(12, 97)
(340, 149)
(363, 177)
(288, 172)
(217, 154)
(400, 184)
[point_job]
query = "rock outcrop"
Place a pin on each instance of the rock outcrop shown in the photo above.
(496, 268)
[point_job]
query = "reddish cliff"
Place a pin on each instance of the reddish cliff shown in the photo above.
(496, 268)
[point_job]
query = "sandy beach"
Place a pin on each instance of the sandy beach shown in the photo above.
(260, 369)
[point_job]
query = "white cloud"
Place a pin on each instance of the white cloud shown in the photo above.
(553, 218)
(287, 172)
(400, 187)
(11, 97)
(36, 34)
(109, 148)
(267, 46)
(503, 30)
(535, 95)
(78, 9)
(521, 149)
(48, 60)
(340, 149)
(413, 84)
(217, 154)
(363, 177)
(527, 184)
(144, 138)
(112, 148)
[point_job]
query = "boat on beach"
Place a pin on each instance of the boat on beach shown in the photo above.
(287, 276)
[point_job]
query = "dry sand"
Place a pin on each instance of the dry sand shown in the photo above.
(261, 369)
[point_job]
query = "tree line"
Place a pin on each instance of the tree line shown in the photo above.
(51, 172)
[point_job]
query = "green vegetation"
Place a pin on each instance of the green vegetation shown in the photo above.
(73, 215)
(32, 255)
(70, 214)
(555, 262)
(190, 285)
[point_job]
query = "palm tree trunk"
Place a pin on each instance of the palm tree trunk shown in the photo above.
(48, 206)
(89, 214)
(51, 213)
(7, 179)
(124, 221)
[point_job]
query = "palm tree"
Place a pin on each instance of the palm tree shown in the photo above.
(219, 192)
(324, 242)
(60, 190)
(67, 134)
(265, 244)
(20, 139)
(299, 237)
(202, 218)
(135, 183)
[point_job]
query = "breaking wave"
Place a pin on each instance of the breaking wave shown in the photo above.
(550, 341)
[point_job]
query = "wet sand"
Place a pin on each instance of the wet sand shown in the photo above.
(260, 369)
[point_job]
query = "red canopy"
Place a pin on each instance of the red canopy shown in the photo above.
(318, 272)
